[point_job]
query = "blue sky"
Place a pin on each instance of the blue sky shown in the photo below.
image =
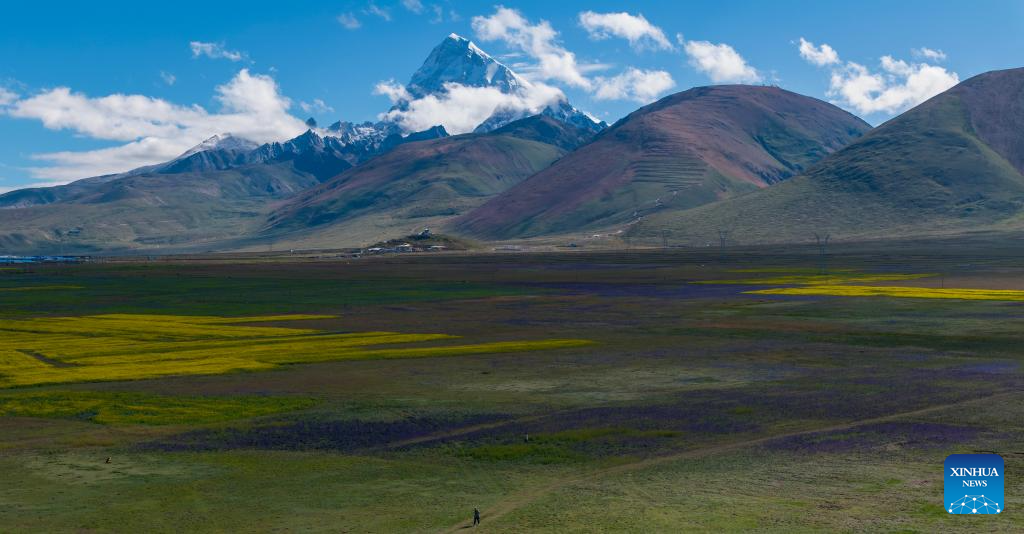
(262, 67)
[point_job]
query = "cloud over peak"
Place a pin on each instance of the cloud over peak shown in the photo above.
(720, 62)
(539, 41)
(461, 108)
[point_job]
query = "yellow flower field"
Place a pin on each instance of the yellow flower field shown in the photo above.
(899, 292)
(831, 279)
(129, 347)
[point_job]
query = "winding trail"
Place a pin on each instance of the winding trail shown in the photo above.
(521, 499)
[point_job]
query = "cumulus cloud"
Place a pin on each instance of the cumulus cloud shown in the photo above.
(896, 87)
(635, 28)
(316, 106)
(818, 55)
(214, 51)
(643, 86)
(349, 21)
(154, 130)
(720, 62)
(461, 108)
(393, 90)
(929, 54)
(539, 41)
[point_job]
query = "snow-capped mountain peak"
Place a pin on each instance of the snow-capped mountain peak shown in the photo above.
(224, 141)
(458, 60)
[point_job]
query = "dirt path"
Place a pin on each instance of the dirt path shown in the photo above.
(452, 433)
(514, 502)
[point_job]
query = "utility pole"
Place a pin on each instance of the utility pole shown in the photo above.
(723, 239)
(822, 241)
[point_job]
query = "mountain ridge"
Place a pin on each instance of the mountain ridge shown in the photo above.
(418, 184)
(950, 165)
(691, 148)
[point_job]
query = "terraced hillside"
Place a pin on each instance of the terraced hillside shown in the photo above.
(950, 166)
(686, 150)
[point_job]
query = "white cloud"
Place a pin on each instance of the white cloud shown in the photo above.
(720, 62)
(461, 108)
(215, 51)
(316, 106)
(898, 86)
(635, 28)
(537, 40)
(413, 5)
(153, 129)
(393, 90)
(374, 9)
(439, 14)
(66, 166)
(7, 97)
(168, 78)
(349, 21)
(818, 55)
(643, 86)
(929, 54)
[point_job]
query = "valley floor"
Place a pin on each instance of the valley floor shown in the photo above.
(640, 391)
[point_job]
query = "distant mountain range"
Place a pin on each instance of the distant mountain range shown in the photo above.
(219, 192)
(422, 184)
(760, 164)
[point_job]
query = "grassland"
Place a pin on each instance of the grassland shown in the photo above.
(696, 406)
(126, 408)
(131, 347)
(1011, 295)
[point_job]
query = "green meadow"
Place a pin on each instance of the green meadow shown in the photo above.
(685, 390)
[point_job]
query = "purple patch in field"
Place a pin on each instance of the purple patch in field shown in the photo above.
(348, 435)
(996, 368)
(668, 291)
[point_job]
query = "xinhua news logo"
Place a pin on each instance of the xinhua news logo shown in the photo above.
(974, 484)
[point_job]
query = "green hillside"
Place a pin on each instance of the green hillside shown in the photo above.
(152, 211)
(686, 150)
(419, 185)
(935, 170)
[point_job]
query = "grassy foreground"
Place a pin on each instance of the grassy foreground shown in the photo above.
(691, 406)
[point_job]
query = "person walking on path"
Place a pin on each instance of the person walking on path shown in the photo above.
(476, 517)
